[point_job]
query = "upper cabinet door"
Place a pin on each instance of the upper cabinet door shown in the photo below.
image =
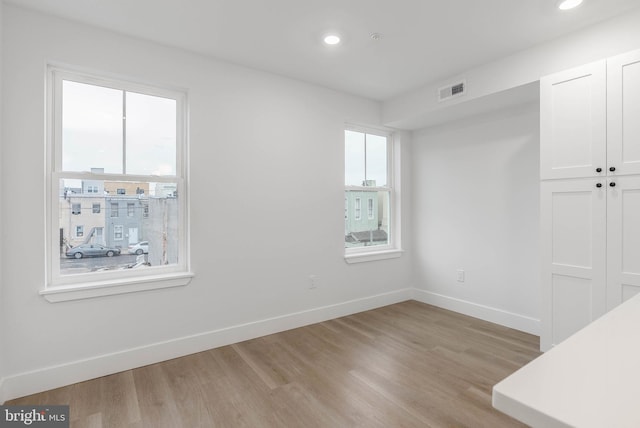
(623, 109)
(573, 123)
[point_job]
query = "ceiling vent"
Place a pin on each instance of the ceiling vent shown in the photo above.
(452, 91)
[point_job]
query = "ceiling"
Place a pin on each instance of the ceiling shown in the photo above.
(422, 41)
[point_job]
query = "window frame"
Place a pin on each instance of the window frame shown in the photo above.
(357, 210)
(118, 232)
(94, 284)
(393, 248)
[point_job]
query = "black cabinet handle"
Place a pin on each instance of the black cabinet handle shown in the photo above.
(599, 185)
(612, 184)
(613, 168)
(598, 169)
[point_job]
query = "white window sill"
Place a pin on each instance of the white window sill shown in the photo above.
(372, 256)
(112, 287)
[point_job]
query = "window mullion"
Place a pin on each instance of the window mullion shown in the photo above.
(124, 132)
(365, 160)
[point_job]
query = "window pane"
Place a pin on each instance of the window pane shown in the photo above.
(354, 158)
(91, 127)
(151, 135)
(376, 158)
(366, 230)
(146, 236)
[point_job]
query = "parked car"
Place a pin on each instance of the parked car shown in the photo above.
(92, 250)
(139, 248)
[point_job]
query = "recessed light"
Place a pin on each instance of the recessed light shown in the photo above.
(331, 39)
(568, 4)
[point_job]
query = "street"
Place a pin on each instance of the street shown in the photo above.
(89, 264)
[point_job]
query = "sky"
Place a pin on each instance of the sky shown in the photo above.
(365, 158)
(92, 131)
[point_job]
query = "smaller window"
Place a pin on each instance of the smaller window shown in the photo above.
(370, 208)
(79, 231)
(114, 209)
(121, 192)
(96, 208)
(75, 209)
(358, 209)
(117, 232)
(145, 211)
(130, 209)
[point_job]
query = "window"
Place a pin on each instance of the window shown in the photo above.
(79, 231)
(369, 176)
(370, 208)
(117, 232)
(119, 135)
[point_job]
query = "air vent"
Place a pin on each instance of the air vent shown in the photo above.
(452, 91)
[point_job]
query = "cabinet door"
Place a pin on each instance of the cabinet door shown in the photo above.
(573, 245)
(623, 239)
(623, 114)
(573, 122)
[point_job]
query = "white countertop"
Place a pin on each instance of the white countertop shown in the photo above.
(592, 379)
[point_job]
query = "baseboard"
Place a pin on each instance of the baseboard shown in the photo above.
(486, 313)
(52, 377)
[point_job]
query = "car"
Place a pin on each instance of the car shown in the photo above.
(92, 250)
(139, 248)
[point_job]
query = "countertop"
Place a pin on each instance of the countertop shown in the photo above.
(592, 379)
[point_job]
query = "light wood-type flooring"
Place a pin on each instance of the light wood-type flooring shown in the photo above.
(404, 365)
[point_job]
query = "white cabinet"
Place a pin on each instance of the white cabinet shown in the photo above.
(623, 113)
(623, 240)
(573, 128)
(573, 241)
(590, 193)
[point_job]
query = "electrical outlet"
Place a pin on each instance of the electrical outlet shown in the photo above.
(313, 282)
(460, 273)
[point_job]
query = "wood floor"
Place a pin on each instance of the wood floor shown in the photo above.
(404, 365)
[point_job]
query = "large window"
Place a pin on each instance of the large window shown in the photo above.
(368, 177)
(115, 134)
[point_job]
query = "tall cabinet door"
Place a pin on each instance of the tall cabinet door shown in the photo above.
(573, 122)
(623, 122)
(623, 240)
(573, 241)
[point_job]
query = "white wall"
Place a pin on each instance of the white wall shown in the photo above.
(267, 198)
(475, 207)
(3, 311)
(416, 109)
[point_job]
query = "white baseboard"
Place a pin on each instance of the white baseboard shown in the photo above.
(486, 313)
(52, 377)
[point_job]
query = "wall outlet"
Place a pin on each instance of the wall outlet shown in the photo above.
(460, 273)
(313, 282)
